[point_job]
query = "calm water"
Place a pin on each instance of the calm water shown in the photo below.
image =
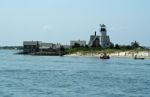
(39, 76)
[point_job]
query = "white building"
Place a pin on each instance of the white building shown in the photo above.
(66, 46)
(43, 45)
(80, 42)
(46, 46)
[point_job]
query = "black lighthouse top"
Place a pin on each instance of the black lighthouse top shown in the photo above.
(103, 28)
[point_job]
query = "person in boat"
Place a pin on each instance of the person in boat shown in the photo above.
(105, 56)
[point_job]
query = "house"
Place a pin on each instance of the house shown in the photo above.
(80, 42)
(31, 46)
(49, 46)
(37, 46)
(66, 46)
(94, 41)
(45, 46)
(57, 46)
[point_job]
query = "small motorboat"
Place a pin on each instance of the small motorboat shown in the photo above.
(105, 56)
(138, 58)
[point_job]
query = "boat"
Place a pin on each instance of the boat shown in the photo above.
(138, 58)
(105, 56)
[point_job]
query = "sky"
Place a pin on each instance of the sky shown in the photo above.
(59, 21)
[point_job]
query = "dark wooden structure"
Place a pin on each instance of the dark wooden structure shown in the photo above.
(30, 47)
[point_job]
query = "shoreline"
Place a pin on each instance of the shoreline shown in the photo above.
(123, 54)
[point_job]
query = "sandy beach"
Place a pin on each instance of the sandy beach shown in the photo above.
(128, 54)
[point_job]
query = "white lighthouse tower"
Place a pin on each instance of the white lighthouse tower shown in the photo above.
(104, 38)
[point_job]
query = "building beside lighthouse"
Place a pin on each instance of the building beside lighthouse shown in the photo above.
(103, 40)
(94, 40)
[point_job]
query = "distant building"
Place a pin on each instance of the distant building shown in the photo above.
(94, 41)
(37, 46)
(31, 46)
(80, 42)
(57, 46)
(45, 46)
(103, 40)
(48, 46)
(66, 46)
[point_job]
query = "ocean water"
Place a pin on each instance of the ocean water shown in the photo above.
(46, 76)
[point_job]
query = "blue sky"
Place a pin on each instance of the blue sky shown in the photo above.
(64, 20)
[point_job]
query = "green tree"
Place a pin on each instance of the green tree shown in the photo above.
(135, 44)
(76, 45)
(86, 46)
(62, 48)
(111, 46)
(117, 46)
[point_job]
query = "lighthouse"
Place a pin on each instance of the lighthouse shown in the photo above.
(104, 38)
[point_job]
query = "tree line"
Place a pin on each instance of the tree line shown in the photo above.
(133, 45)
